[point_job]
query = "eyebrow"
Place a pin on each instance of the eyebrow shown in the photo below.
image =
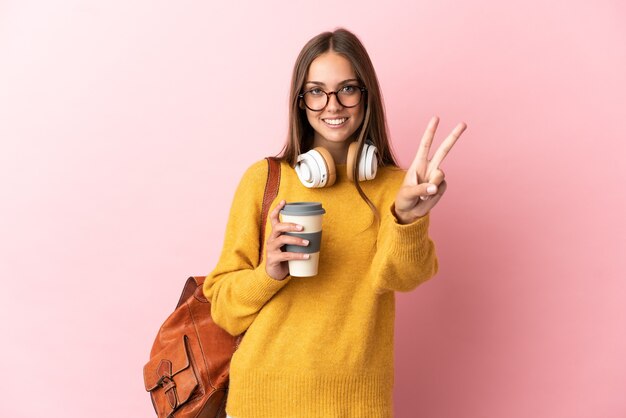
(319, 83)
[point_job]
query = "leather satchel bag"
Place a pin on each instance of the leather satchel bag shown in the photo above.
(188, 372)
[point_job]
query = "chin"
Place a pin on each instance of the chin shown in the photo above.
(337, 136)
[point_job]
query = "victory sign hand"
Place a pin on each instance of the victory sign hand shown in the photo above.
(424, 182)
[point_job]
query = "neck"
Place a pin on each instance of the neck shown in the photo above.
(338, 150)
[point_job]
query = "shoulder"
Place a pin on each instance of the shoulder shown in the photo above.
(386, 184)
(258, 168)
(255, 174)
(258, 171)
(390, 174)
(252, 182)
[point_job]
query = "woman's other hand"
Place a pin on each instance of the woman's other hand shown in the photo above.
(424, 182)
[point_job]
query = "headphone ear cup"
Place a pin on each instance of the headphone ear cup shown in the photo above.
(316, 168)
(351, 161)
(369, 162)
(368, 165)
(330, 165)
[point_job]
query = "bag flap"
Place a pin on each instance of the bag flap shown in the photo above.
(173, 363)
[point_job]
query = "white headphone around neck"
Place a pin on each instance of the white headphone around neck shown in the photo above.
(316, 168)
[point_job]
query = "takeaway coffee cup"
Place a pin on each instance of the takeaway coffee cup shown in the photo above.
(309, 215)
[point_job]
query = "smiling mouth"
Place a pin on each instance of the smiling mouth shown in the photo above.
(335, 122)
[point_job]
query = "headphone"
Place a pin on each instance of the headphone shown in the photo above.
(316, 168)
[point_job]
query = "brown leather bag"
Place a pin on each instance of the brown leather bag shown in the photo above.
(187, 375)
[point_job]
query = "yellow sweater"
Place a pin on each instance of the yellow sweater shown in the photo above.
(317, 346)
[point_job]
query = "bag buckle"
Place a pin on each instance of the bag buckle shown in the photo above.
(167, 383)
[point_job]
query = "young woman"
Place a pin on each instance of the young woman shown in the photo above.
(322, 346)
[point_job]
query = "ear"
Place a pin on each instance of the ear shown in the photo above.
(301, 104)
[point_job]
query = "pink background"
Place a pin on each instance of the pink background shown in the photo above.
(125, 127)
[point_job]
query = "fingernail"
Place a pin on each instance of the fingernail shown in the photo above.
(305, 242)
(306, 256)
(299, 227)
(432, 189)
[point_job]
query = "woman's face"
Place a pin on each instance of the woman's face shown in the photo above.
(335, 123)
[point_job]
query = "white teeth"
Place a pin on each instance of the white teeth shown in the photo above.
(335, 121)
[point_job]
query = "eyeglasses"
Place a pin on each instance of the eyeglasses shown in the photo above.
(317, 99)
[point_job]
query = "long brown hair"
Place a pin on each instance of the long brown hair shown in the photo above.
(374, 126)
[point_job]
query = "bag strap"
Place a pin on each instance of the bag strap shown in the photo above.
(271, 191)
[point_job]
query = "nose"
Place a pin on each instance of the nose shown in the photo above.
(333, 102)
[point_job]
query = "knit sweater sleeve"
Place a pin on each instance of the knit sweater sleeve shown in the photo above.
(239, 286)
(405, 255)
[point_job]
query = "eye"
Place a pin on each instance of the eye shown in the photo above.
(316, 91)
(349, 90)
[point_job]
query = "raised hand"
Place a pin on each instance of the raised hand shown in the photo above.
(424, 182)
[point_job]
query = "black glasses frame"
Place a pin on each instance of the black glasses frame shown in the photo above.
(328, 94)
